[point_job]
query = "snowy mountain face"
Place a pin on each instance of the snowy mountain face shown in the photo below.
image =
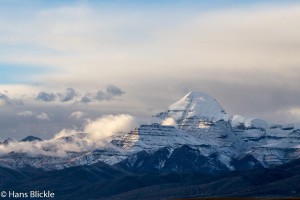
(194, 134)
(193, 108)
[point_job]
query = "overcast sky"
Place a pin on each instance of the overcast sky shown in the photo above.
(66, 62)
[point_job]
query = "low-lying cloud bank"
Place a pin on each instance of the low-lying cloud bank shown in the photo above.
(69, 95)
(95, 134)
(72, 95)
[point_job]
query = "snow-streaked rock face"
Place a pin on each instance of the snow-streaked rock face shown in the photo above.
(154, 136)
(196, 122)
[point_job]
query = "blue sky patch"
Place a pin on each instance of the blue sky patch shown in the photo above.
(20, 73)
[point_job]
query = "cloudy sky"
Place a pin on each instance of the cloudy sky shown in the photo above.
(63, 63)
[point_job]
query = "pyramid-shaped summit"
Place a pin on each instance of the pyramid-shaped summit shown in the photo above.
(196, 105)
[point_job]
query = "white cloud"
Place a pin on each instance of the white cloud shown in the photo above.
(77, 114)
(53, 147)
(102, 128)
(39, 116)
(25, 113)
(169, 122)
(106, 126)
(42, 116)
(96, 134)
(65, 133)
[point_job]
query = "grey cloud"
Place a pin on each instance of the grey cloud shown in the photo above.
(47, 97)
(71, 94)
(110, 92)
(68, 95)
(100, 96)
(6, 100)
(114, 91)
(87, 98)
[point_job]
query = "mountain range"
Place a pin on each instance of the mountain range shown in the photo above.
(194, 137)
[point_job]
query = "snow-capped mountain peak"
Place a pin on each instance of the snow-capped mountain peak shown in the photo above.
(196, 105)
